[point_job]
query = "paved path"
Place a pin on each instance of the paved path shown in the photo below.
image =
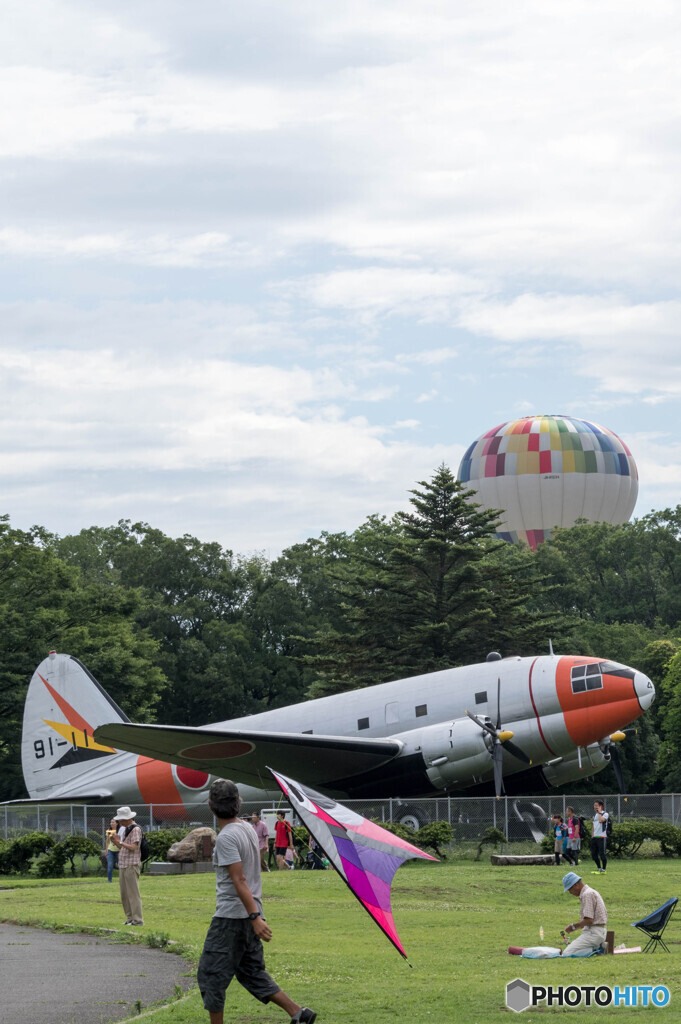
(57, 978)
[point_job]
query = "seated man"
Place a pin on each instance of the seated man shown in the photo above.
(593, 917)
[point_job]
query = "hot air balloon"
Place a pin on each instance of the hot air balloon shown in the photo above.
(548, 471)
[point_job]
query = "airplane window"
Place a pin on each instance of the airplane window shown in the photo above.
(362, 723)
(481, 698)
(586, 677)
(307, 732)
(421, 710)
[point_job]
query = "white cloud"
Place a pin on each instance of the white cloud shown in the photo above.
(89, 417)
(372, 292)
(239, 247)
(626, 347)
(429, 357)
(154, 250)
(658, 458)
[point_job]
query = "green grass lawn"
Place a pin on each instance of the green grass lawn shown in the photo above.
(456, 921)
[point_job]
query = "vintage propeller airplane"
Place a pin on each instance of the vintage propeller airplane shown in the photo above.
(515, 724)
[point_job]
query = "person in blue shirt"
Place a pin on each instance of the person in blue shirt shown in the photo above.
(560, 833)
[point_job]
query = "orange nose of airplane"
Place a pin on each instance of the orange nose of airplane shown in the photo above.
(599, 697)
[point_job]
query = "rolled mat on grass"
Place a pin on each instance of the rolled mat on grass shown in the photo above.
(550, 952)
(505, 859)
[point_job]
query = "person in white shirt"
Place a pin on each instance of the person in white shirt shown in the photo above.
(599, 837)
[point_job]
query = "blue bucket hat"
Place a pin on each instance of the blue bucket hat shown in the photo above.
(570, 879)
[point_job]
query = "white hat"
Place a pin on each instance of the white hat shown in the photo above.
(124, 813)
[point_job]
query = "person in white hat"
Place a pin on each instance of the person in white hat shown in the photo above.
(593, 917)
(128, 842)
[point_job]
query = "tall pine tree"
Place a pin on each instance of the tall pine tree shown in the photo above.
(432, 590)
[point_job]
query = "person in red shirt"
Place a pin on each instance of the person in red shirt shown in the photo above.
(283, 839)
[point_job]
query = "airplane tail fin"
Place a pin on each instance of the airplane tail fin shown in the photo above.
(64, 705)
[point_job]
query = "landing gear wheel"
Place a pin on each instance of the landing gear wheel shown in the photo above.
(412, 817)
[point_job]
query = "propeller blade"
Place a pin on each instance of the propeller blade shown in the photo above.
(498, 703)
(617, 767)
(497, 759)
(517, 752)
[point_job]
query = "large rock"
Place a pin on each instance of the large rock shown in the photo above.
(198, 845)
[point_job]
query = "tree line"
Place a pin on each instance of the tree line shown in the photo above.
(183, 631)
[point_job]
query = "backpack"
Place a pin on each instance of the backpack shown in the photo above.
(145, 849)
(608, 827)
(581, 829)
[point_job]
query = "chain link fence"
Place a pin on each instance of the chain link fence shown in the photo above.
(521, 819)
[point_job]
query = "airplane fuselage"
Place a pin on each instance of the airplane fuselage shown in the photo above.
(408, 737)
(541, 701)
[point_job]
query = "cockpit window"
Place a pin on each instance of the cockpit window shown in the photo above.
(586, 677)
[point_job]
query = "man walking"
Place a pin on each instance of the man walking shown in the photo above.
(129, 864)
(262, 832)
(599, 837)
(593, 917)
(233, 946)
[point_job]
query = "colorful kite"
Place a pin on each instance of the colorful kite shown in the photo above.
(365, 855)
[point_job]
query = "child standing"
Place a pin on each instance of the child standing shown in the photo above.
(560, 833)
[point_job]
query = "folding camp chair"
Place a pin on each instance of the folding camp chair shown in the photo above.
(654, 924)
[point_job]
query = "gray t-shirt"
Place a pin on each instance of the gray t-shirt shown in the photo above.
(236, 842)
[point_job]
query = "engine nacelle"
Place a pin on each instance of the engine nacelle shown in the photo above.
(454, 752)
(567, 769)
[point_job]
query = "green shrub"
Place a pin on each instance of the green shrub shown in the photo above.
(492, 837)
(628, 837)
(18, 855)
(402, 831)
(301, 836)
(161, 841)
(52, 864)
(79, 846)
(434, 836)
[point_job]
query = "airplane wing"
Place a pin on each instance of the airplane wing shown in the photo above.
(92, 796)
(242, 755)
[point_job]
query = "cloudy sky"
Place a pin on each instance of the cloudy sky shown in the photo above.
(266, 265)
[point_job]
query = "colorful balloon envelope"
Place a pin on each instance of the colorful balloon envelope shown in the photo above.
(549, 471)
